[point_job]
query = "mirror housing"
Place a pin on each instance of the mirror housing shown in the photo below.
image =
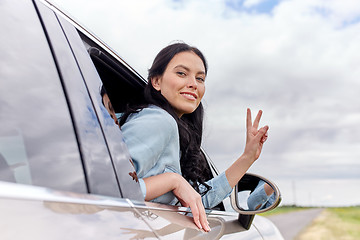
(245, 186)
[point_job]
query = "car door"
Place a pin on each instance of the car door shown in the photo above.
(93, 149)
(122, 168)
(37, 140)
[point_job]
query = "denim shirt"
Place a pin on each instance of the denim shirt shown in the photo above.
(152, 138)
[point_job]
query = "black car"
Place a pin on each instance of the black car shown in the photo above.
(65, 171)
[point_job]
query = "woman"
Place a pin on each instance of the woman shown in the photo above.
(164, 136)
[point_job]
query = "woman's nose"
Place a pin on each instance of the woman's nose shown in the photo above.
(192, 82)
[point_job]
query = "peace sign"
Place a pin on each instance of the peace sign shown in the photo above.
(255, 137)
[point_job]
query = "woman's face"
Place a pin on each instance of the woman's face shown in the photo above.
(183, 82)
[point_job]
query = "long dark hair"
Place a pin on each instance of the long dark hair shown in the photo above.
(193, 164)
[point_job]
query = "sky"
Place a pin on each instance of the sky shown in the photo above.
(297, 60)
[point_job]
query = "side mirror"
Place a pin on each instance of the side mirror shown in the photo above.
(254, 194)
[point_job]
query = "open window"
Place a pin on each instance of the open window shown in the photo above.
(122, 85)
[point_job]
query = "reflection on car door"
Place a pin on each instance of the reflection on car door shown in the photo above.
(112, 134)
(98, 166)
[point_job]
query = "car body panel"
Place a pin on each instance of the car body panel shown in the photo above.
(65, 215)
(97, 216)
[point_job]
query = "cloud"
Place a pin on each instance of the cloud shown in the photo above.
(251, 3)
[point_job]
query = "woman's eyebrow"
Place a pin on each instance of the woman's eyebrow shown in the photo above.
(187, 69)
(182, 66)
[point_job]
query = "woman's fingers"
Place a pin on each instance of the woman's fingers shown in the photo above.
(195, 213)
(262, 134)
(188, 197)
(199, 215)
(264, 138)
(248, 119)
(257, 120)
(249, 123)
(203, 218)
(255, 137)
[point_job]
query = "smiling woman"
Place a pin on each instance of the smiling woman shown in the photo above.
(164, 134)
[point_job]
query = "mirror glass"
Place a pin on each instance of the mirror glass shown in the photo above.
(255, 193)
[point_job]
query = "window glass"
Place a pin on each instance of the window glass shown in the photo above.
(37, 141)
(121, 87)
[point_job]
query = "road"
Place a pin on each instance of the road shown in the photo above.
(292, 223)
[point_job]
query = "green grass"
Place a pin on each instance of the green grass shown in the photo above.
(349, 214)
(350, 221)
(334, 224)
(283, 209)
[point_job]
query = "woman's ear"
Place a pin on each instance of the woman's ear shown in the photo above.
(155, 81)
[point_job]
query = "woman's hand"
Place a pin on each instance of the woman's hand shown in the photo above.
(160, 184)
(188, 197)
(255, 138)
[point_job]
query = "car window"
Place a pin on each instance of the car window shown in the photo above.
(37, 141)
(121, 86)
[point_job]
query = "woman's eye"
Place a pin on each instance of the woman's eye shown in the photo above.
(181, 73)
(201, 79)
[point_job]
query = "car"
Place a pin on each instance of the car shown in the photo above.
(65, 171)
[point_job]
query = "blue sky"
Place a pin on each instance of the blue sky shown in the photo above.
(255, 7)
(297, 60)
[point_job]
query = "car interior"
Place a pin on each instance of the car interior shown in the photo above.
(122, 86)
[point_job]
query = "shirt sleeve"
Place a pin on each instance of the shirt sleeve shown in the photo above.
(258, 198)
(220, 189)
(142, 187)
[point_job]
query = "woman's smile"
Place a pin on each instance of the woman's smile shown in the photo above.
(189, 96)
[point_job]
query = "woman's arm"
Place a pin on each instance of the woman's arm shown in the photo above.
(222, 185)
(255, 139)
(160, 184)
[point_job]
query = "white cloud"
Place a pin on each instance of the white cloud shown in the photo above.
(251, 3)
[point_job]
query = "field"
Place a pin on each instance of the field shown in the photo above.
(283, 209)
(332, 224)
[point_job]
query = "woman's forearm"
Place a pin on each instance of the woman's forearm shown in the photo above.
(159, 185)
(237, 170)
